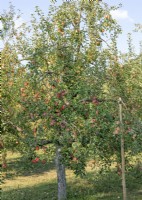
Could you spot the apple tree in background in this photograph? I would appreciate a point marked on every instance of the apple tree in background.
(12, 74)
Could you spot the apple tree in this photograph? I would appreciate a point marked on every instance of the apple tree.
(68, 80)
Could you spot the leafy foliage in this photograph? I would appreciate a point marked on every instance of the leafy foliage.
(66, 80)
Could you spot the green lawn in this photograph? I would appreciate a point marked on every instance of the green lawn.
(38, 182)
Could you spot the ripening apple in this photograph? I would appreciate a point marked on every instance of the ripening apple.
(44, 149)
(102, 30)
(134, 136)
(74, 134)
(93, 120)
(18, 129)
(107, 17)
(95, 101)
(58, 114)
(58, 95)
(23, 95)
(22, 89)
(33, 161)
(98, 43)
(37, 148)
(97, 112)
(56, 103)
(63, 107)
(35, 130)
(60, 30)
(4, 165)
(37, 95)
(10, 83)
(116, 131)
(44, 114)
(61, 94)
(43, 161)
(36, 159)
(26, 84)
(52, 123)
(31, 115)
(63, 124)
(75, 159)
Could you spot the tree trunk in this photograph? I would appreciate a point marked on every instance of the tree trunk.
(122, 151)
(61, 176)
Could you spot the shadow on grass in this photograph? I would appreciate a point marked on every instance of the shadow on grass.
(21, 167)
(106, 186)
(49, 191)
(111, 181)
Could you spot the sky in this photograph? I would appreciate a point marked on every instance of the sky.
(129, 14)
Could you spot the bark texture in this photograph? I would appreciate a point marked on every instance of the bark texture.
(122, 152)
(61, 176)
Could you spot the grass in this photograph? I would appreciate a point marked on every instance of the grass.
(38, 182)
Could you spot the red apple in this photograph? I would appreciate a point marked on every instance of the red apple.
(37, 159)
(33, 161)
